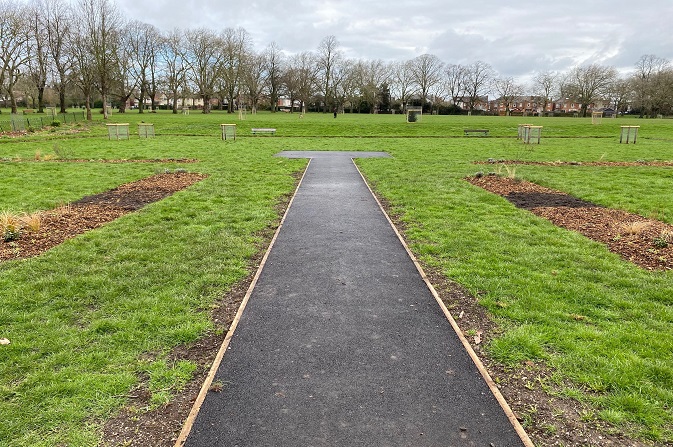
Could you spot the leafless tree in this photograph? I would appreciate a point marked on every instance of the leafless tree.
(236, 47)
(402, 82)
(255, 78)
(508, 91)
(101, 22)
(587, 84)
(301, 79)
(426, 71)
(14, 46)
(84, 67)
(124, 82)
(38, 57)
(205, 55)
(144, 41)
(59, 30)
(454, 76)
(621, 94)
(546, 85)
(328, 57)
(645, 79)
(372, 75)
(478, 78)
(342, 84)
(275, 64)
(175, 65)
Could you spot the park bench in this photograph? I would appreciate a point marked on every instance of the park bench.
(483, 132)
(28, 111)
(263, 131)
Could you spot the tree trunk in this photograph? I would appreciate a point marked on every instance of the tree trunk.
(40, 100)
(61, 98)
(88, 107)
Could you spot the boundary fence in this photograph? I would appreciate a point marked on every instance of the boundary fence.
(21, 123)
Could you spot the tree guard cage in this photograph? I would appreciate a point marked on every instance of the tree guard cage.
(118, 131)
(596, 117)
(414, 114)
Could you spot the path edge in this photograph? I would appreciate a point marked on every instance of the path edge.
(191, 418)
(473, 355)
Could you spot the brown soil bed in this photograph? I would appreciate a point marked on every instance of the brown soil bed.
(636, 239)
(91, 212)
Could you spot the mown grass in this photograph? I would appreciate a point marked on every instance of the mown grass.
(90, 318)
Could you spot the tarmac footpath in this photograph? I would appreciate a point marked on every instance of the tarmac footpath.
(341, 342)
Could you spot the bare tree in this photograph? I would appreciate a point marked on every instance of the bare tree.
(143, 41)
(342, 86)
(236, 47)
(255, 78)
(648, 68)
(58, 27)
(546, 85)
(204, 52)
(175, 64)
(301, 79)
(101, 22)
(455, 82)
(38, 56)
(621, 94)
(508, 91)
(328, 57)
(589, 83)
(478, 78)
(14, 46)
(84, 67)
(275, 64)
(426, 71)
(372, 75)
(124, 82)
(402, 82)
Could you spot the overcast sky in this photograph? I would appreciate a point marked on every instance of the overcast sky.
(517, 37)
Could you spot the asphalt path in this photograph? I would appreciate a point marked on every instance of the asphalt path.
(341, 342)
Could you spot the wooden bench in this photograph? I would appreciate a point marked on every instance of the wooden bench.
(483, 132)
(263, 131)
(28, 111)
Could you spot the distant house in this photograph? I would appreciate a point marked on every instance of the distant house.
(480, 104)
(521, 104)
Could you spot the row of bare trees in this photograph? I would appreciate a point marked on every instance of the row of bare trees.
(89, 46)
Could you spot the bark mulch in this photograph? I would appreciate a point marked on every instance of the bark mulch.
(647, 243)
(91, 212)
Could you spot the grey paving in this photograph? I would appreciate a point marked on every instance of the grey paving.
(341, 343)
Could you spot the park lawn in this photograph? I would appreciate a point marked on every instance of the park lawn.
(90, 317)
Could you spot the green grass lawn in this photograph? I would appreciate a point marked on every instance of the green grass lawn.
(83, 317)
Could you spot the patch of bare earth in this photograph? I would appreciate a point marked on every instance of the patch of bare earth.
(91, 212)
(635, 238)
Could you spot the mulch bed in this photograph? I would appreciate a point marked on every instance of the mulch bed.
(633, 237)
(91, 212)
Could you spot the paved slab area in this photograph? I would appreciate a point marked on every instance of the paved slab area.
(342, 343)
